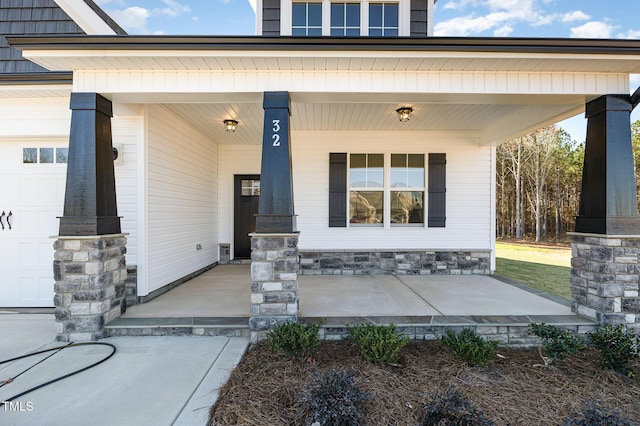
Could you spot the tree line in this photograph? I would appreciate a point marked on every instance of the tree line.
(539, 178)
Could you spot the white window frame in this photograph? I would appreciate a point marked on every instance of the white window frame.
(387, 190)
(404, 16)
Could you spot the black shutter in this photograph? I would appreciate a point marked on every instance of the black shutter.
(437, 190)
(337, 190)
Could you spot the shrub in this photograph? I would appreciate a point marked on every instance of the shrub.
(556, 343)
(300, 341)
(469, 347)
(617, 348)
(594, 413)
(333, 398)
(378, 343)
(452, 408)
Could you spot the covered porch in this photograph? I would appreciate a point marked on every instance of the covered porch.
(218, 302)
(326, 106)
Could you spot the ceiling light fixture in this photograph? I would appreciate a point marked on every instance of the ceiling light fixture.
(230, 125)
(404, 113)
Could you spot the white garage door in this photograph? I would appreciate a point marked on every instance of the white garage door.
(32, 184)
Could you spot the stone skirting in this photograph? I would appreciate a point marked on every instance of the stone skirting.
(90, 274)
(131, 285)
(274, 281)
(605, 278)
(401, 262)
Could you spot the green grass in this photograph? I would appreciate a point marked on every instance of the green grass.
(547, 269)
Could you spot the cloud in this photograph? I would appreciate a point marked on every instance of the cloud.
(134, 18)
(504, 14)
(174, 8)
(459, 4)
(504, 31)
(632, 34)
(576, 15)
(593, 29)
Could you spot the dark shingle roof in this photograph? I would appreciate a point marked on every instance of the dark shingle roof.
(36, 17)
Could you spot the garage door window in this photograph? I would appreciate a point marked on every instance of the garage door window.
(45, 155)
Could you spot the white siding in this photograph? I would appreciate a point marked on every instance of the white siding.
(35, 117)
(182, 199)
(469, 189)
(126, 135)
(234, 160)
(468, 212)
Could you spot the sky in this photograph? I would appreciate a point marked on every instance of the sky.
(472, 18)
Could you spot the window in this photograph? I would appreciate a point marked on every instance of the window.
(307, 19)
(44, 155)
(383, 20)
(250, 187)
(387, 190)
(366, 189)
(345, 19)
(407, 188)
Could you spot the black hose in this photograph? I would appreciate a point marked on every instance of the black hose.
(57, 379)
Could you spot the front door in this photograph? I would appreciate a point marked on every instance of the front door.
(32, 176)
(246, 196)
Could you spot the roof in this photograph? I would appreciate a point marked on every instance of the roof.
(36, 17)
(255, 52)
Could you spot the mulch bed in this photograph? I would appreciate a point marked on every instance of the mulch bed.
(515, 390)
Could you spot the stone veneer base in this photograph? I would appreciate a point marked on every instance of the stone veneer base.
(605, 278)
(274, 282)
(90, 274)
(396, 262)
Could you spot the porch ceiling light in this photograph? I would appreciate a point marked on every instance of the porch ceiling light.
(404, 113)
(230, 125)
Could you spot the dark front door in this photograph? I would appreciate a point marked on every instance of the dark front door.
(246, 196)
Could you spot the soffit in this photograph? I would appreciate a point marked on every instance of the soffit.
(331, 54)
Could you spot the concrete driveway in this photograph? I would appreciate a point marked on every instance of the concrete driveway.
(148, 381)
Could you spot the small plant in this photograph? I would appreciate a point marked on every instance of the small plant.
(556, 343)
(452, 408)
(594, 413)
(617, 348)
(333, 398)
(470, 347)
(378, 343)
(300, 341)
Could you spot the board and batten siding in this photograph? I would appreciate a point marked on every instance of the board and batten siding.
(468, 190)
(181, 199)
(233, 160)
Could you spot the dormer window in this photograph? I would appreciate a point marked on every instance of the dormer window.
(345, 19)
(306, 19)
(383, 19)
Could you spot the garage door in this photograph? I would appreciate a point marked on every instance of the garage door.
(32, 184)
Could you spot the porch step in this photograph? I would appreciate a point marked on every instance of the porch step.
(179, 326)
(511, 330)
(508, 330)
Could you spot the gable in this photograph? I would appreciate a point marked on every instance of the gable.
(19, 17)
(37, 17)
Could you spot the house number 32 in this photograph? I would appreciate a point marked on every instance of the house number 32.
(276, 135)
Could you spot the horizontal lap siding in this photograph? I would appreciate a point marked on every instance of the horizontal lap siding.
(182, 199)
(468, 213)
(234, 160)
(126, 133)
(35, 117)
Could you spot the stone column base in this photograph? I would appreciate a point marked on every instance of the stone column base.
(90, 274)
(274, 281)
(605, 277)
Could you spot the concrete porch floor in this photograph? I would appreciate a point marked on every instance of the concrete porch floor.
(224, 291)
(218, 303)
